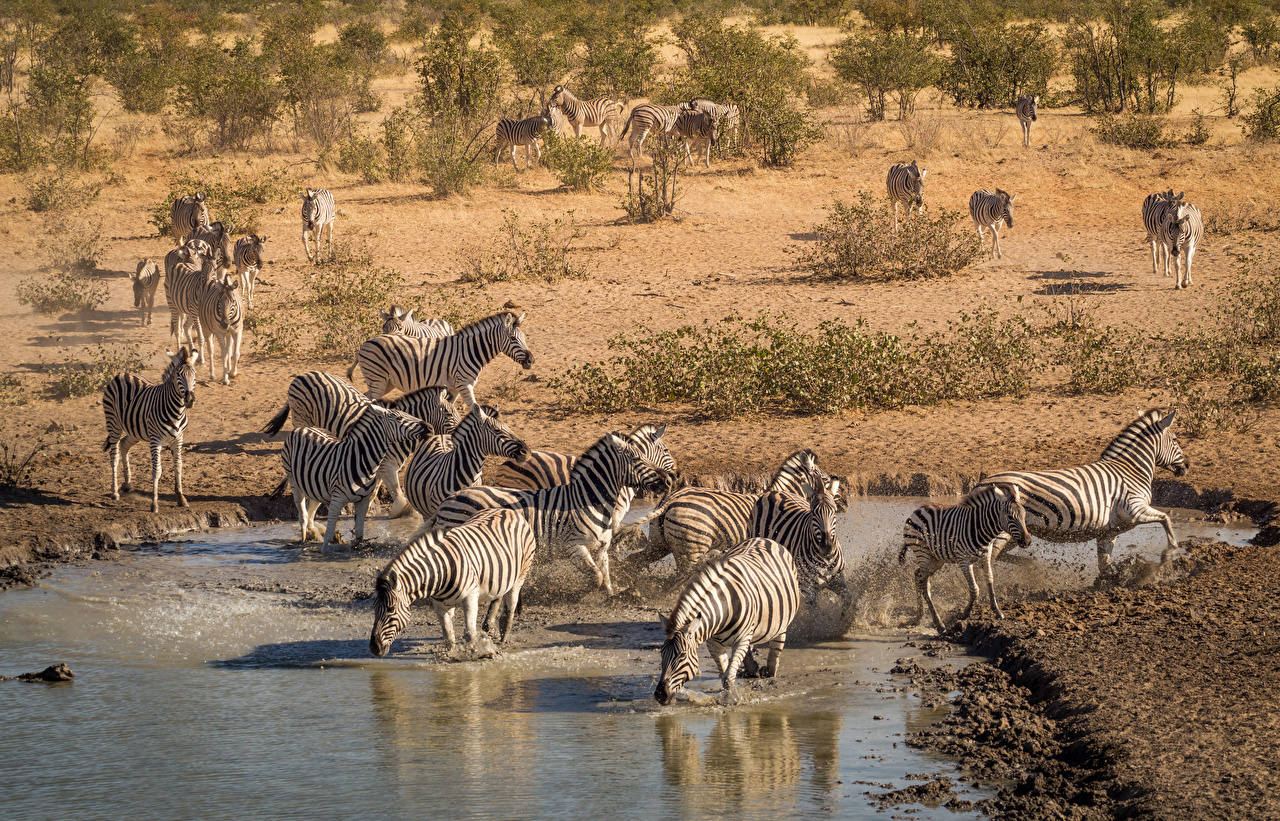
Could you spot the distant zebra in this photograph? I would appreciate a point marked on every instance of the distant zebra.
(749, 596)
(1025, 108)
(222, 320)
(1184, 227)
(145, 281)
(905, 184)
(454, 362)
(1154, 208)
(728, 117)
(962, 534)
(990, 210)
(138, 411)
(486, 559)
(443, 465)
(183, 288)
(248, 261)
(186, 215)
(1105, 498)
(511, 133)
(318, 211)
(699, 128)
(598, 112)
(218, 237)
(805, 527)
(397, 320)
(337, 472)
(647, 117)
(578, 515)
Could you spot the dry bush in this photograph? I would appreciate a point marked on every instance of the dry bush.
(851, 138)
(62, 292)
(16, 469)
(72, 241)
(127, 136)
(75, 377)
(924, 133)
(1235, 215)
(540, 252)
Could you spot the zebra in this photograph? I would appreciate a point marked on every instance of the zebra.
(806, 527)
(598, 112)
(1184, 228)
(218, 237)
(183, 288)
(339, 472)
(990, 210)
(186, 214)
(577, 515)
(453, 362)
(247, 256)
(962, 534)
(145, 281)
(1105, 498)
(1154, 208)
(318, 210)
(749, 596)
(1025, 108)
(486, 558)
(524, 132)
(905, 184)
(728, 117)
(697, 127)
(222, 318)
(138, 411)
(397, 320)
(443, 465)
(645, 118)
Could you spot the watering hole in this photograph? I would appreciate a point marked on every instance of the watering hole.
(230, 675)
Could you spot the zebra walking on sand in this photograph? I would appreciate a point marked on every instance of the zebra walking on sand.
(699, 128)
(247, 256)
(485, 559)
(962, 534)
(1184, 228)
(145, 281)
(598, 112)
(905, 186)
(138, 411)
(186, 215)
(218, 237)
(222, 320)
(1154, 208)
(991, 210)
(193, 266)
(749, 596)
(1106, 498)
(511, 133)
(648, 117)
(728, 117)
(318, 211)
(1025, 108)
(397, 320)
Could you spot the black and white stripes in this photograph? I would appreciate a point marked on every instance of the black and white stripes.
(222, 321)
(648, 117)
(697, 128)
(599, 112)
(187, 269)
(991, 209)
(511, 133)
(318, 211)
(905, 186)
(186, 214)
(807, 529)
(146, 279)
(247, 256)
(1183, 229)
(443, 465)
(1025, 108)
(397, 320)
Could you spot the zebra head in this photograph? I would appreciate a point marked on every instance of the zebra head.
(1006, 200)
(679, 659)
(648, 439)
(398, 426)
(1175, 217)
(1006, 500)
(514, 343)
(557, 95)
(390, 611)
(1168, 452)
(822, 522)
(202, 208)
(181, 375)
(1035, 105)
(915, 183)
(310, 208)
(638, 470)
(495, 436)
(395, 320)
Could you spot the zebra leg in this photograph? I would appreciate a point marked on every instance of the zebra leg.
(469, 396)
(924, 574)
(982, 238)
(895, 219)
(995, 235)
(1191, 251)
(306, 244)
(331, 221)
(235, 356)
(720, 655)
(176, 447)
(1105, 546)
(775, 656)
(362, 508)
(512, 602)
(331, 535)
(513, 158)
(445, 614)
(735, 661)
(602, 563)
(973, 591)
(389, 473)
(113, 454)
(1146, 515)
(991, 584)
(470, 607)
(125, 447)
(155, 476)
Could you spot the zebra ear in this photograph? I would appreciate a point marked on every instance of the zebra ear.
(1167, 420)
(520, 318)
(835, 487)
(308, 194)
(199, 196)
(657, 434)
(662, 619)
(923, 171)
(408, 315)
(384, 314)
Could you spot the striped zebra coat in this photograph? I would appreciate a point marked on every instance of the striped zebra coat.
(728, 117)
(1184, 228)
(577, 516)
(218, 237)
(193, 266)
(138, 411)
(443, 465)
(318, 211)
(186, 215)
(990, 210)
(397, 320)
(222, 321)
(1154, 208)
(648, 117)
(453, 362)
(510, 133)
(905, 185)
(962, 534)
(146, 279)
(598, 112)
(485, 559)
(247, 256)
(343, 471)
(1025, 108)
(749, 596)
(806, 528)
(698, 128)
(1105, 498)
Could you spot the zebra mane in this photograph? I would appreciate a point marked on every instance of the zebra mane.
(592, 456)
(1149, 425)
(507, 319)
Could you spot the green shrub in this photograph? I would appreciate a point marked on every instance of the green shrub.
(536, 48)
(1199, 132)
(73, 377)
(72, 241)
(62, 292)
(802, 12)
(786, 133)
(361, 156)
(1141, 131)
(340, 293)
(618, 55)
(452, 152)
(234, 91)
(57, 189)
(1263, 123)
(273, 331)
(580, 163)
(1099, 359)
(1262, 32)
(991, 65)
(459, 73)
(540, 252)
(884, 63)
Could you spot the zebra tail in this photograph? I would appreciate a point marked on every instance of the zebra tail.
(279, 489)
(623, 133)
(902, 554)
(351, 372)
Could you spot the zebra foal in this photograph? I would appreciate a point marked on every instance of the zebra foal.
(1154, 208)
(905, 186)
(598, 112)
(443, 465)
(1025, 108)
(145, 281)
(247, 256)
(991, 210)
(318, 211)
(397, 320)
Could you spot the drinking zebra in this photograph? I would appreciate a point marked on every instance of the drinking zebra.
(905, 184)
(145, 281)
(578, 515)
(397, 320)
(443, 465)
(749, 596)
(183, 287)
(699, 128)
(453, 362)
(806, 528)
(318, 211)
(990, 210)
(138, 411)
(484, 559)
(218, 237)
(222, 320)
(647, 117)
(248, 262)
(186, 215)
(598, 112)
(728, 117)
(962, 534)
(339, 472)
(1025, 108)
(1105, 498)
(1184, 228)
(524, 132)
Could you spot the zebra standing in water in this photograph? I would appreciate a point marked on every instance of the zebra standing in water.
(222, 319)
(487, 558)
(145, 281)
(1025, 108)
(138, 411)
(1154, 208)
(443, 465)
(454, 362)
(193, 266)
(318, 211)
(598, 112)
(247, 256)
(905, 184)
(962, 534)
(1184, 228)
(512, 133)
(748, 596)
(1105, 498)
(340, 472)
(990, 210)
(186, 215)
(399, 321)
(647, 117)
(697, 127)
(807, 528)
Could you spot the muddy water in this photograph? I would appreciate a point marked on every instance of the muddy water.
(230, 676)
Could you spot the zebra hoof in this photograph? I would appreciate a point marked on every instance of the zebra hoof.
(182, 501)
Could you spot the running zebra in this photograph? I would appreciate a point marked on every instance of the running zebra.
(218, 237)
(647, 117)
(183, 287)
(728, 117)
(343, 471)
(990, 210)
(1154, 208)
(318, 211)
(512, 133)
(697, 127)
(1105, 498)
(186, 215)
(145, 281)
(1025, 108)
(807, 528)
(138, 411)
(454, 362)
(578, 515)
(599, 112)
(485, 559)
(248, 262)
(1184, 228)
(905, 184)
(443, 465)
(962, 534)
(749, 596)
(401, 321)
(222, 320)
